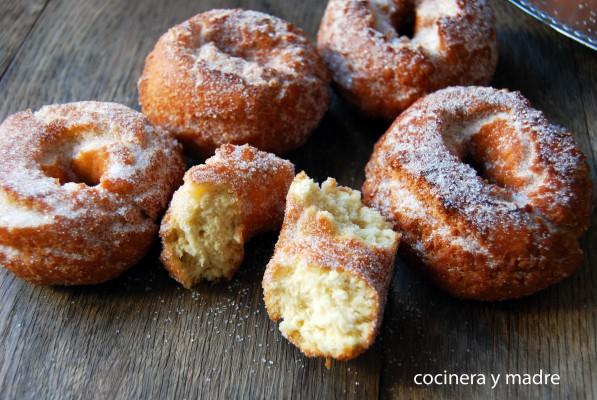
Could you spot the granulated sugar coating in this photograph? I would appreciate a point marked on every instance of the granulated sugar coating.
(235, 76)
(504, 228)
(81, 188)
(382, 71)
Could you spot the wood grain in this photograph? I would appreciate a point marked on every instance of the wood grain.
(17, 18)
(142, 336)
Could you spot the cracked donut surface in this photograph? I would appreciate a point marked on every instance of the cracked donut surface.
(489, 196)
(81, 187)
(235, 76)
(382, 70)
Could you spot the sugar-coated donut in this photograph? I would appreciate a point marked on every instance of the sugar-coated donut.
(488, 195)
(81, 188)
(382, 71)
(329, 275)
(235, 76)
(237, 193)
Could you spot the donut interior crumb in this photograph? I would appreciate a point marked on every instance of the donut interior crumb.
(343, 207)
(324, 311)
(327, 311)
(205, 232)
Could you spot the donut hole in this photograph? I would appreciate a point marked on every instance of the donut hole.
(229, 60)
(404, 19)
(89, 166)
(78, 155)
(395, 16)
(86, 166)
(472, 159)
(226, 49)
(491, 147)
(405, 26)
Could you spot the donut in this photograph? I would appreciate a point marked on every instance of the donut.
(235, 76)
(489, 196)
(328, 278)
(382, 71)
(236, 194)
(81, 188)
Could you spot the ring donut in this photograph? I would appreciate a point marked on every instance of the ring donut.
(235, 76)
(383, 71)
(81, 188)
(489, 195)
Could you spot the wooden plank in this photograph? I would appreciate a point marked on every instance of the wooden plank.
(142, 336)
(17, 18)
(586, 67)
(428, 332)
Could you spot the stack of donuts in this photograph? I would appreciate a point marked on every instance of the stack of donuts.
(484, 195)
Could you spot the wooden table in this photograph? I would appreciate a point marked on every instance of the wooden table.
(142, 336)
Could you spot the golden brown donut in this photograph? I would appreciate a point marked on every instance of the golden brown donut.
(237, 193)
(488, 195)
(382, 71)
(328, 278)
(235, 76)
(81, 188)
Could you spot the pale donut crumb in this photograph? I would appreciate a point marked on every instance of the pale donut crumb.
(328, 278)
(237, 193)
